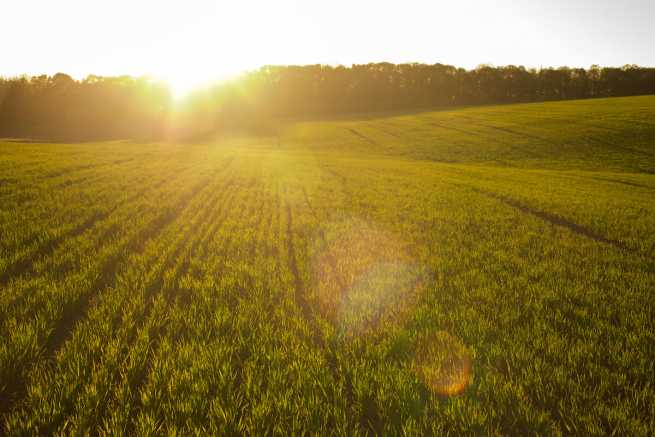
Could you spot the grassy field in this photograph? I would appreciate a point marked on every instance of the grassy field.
(481, 270)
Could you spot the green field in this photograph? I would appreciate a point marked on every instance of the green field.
(481, 270)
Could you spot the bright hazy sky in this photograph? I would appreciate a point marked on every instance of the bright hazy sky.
(192, 41)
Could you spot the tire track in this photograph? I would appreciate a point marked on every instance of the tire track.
(485, 138)
(75, 169)
(46, 215)
(107, 277)
(609, 145)
(214, 222)
(252, 250)
(550, 142)
(25, 266)
(476, 122)
(388, 132)
(210, 225)
(617, 181)
(556, 220)
(158, 286)
(309, 312)
(164, 273)
(225, 246)
(76, 310)
(28, 270)
(154, 269)
(362, 136)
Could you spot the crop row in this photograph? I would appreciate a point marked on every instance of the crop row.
(271, 291)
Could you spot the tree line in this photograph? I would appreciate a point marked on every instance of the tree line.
(61, 108)
(58, 107)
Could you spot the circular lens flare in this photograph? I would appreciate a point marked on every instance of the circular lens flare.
(444, 364)
(365, 280)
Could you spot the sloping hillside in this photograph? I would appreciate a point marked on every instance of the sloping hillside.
(609, 134)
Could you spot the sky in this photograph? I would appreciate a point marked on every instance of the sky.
(192, 42)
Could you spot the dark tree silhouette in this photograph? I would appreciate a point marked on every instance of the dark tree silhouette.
(59, 107)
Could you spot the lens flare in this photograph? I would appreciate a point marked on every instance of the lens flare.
(365, 279)
(444, 364)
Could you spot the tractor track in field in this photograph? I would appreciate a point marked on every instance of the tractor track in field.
(219, 218)
(110, 269)
(61, 273)
(321, 235)
(87, 167)
(206, 218)
(270, 238)
(376, 126)
(208, 225)
(483, 137)
(152, 288)
(93, 176)
(539, 138)
(225, 246)
(337, 175)
(277, 213)
(268, 226)
(299, 286)
(617, 181)
(343, 182)
(362, 136)
(137, 243)
(34, 189)
(476, 122)
(150, 291)
(25, 266)
(619, 147)
(439, 125)
(309, 313)
(215, 223)
(69, 170)
(252, 249)
(644, 124)
(19, 269)
(75, 169)
(215, 220)
(76, 311)
(550, 142)
(556, 220)
(30, 193)
(329, 350)
(84, 179)
(202, 215)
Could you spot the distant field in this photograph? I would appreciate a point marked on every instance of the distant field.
(481, 270)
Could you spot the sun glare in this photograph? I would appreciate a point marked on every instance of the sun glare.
(182, 82)
(181, 86)
(218, 43)
(184, 69)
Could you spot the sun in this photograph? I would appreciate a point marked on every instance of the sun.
(215, 43)
(182, 85)
(190, 77)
